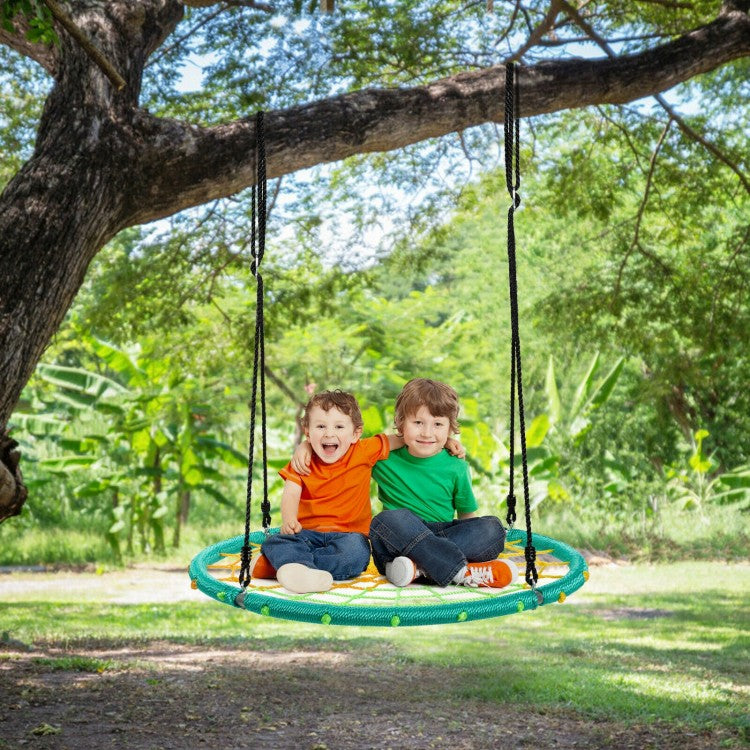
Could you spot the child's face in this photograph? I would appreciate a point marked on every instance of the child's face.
(331, 433)
(424, 434)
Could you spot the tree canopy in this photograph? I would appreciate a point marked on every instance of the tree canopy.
(109, 154)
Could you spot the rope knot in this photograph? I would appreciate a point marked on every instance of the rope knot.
(510, 501)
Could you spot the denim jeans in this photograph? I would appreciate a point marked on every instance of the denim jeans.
(440, 550)
(343, 554)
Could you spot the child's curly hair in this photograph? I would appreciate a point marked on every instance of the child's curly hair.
(344, 402)
(440, 399)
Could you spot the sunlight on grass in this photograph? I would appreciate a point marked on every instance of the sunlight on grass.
(80, 664)
(39, 547)
(722, 533)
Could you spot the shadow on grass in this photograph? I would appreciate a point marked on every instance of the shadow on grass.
(298, 692)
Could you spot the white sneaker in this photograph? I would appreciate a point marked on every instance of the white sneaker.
(303, 580)
(401, 571)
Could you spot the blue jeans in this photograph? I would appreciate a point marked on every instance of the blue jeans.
(440, 550)
(344, 554)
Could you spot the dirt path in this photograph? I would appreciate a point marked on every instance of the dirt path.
(166, 696)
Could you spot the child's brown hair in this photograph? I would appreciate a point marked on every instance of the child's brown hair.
(440, 399)
(344, 402)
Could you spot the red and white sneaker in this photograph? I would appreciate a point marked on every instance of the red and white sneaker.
(261, 568)
(494, 574)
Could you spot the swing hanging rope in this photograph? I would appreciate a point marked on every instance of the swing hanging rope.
(257, 250)
(511, 129)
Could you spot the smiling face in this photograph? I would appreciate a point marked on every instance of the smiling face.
(424, 434)
(331, 433)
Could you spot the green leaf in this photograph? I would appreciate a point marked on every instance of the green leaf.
(605, 388)
(537, 431)
(120, 362)
(80, 380)
(553, 397)
(81, 445)
(216, 495)
(193, 476)
(37, 424)
(67, 463)
(584, 387)
(141, 441)
(699, 463)
(222, 450)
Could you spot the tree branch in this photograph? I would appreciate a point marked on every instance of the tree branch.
(536, 35)
(229, 4)
(192, 165)
(180, 40)
(696, 136)
(85, 44)
(576, 17)
(636, 242)
(283, 387)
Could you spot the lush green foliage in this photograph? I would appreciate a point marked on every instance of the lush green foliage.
(37, 16)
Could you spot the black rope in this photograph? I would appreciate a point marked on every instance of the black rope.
(257, 250)
(513, 182)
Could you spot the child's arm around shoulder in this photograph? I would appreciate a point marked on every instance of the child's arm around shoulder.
(290, 498)
(301, 458)
(455, 448)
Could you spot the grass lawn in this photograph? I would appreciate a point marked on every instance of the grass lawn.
(667, 643)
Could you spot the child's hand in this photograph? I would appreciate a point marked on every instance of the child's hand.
(455, 448)
(291, 527)
(301, 458)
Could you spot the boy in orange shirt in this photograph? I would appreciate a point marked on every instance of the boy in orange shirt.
(325, 515)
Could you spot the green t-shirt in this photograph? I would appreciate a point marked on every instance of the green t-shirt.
(434, 488)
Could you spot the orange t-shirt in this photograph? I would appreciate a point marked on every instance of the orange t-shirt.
(336, 497)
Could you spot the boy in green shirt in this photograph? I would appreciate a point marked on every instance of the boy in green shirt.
(423, 488)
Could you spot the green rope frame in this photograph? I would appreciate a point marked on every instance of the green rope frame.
(391, 612)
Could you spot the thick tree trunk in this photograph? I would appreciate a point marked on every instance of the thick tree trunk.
(102, 164)
(71, 197)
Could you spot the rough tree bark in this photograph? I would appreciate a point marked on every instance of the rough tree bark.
(102, 164)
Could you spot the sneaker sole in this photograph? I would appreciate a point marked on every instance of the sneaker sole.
(401, 571)
(513, 571)
(300, 579)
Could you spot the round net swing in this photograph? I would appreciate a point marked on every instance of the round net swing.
(554, 570)
(370, 600)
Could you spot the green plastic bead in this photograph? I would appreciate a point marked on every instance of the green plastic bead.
(395, 621)
(222, 595)
(462, 616)
(519, 607)
(326, 619)
(265, 610)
